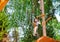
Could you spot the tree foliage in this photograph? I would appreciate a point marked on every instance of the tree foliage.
(21, 13)
(4, 22)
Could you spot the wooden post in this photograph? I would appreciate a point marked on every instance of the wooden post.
(43, 17)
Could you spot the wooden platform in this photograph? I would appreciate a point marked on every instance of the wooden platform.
(2, 4)
(46, 39)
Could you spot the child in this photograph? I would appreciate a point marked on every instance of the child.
(36, 22)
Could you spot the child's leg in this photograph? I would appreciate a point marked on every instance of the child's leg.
(35, 31)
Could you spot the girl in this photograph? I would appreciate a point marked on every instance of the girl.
(36, 22)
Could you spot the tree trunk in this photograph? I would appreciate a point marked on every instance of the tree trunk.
(43, 18)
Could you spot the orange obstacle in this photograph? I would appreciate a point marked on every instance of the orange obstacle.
(2, 4)
(46, 39)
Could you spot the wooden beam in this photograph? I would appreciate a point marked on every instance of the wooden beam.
(48, 19)
(40, 15)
